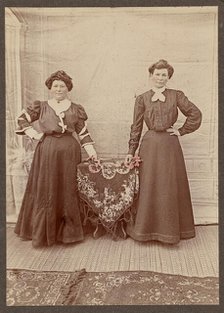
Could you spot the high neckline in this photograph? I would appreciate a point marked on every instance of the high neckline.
(158, 90)
(65, 101)
(60, 106)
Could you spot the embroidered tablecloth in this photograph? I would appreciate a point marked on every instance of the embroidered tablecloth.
(107, 191)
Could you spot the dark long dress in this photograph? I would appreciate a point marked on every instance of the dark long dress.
(163, 209)
(50, 208)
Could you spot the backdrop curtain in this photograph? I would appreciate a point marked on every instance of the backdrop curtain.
(107, 52)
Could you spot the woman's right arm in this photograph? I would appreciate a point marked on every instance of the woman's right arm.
(137, 125)
(27, 116)
(136, 128)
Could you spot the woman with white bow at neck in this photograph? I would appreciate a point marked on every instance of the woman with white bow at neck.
(163, 210)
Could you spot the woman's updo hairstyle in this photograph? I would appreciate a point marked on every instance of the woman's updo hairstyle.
(59, 75)
(162, 64)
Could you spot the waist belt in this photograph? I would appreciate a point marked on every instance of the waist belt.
(55, 134)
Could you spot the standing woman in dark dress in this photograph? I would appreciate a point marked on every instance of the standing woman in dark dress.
(164, 209)
(50, 208)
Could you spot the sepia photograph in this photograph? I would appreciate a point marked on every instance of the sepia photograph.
(111, 120)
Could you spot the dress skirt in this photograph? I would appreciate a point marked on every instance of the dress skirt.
(163, 209)
(50, 208)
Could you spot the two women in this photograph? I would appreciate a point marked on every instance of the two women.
(50, 209)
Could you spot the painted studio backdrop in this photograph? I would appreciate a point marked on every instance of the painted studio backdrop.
(107, 52)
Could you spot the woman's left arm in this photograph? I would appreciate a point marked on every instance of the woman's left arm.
(191, 111)
(83, 133)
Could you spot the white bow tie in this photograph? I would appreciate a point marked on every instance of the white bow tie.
(158, 95)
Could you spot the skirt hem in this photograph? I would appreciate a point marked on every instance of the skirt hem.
(65, 241)
(161, 237)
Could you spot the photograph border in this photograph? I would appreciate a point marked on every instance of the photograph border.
(112, 3)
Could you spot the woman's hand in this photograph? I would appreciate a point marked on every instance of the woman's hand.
(94, 157)
(33, 134)
(90, 150)
(128, 159)
(38, 136)
(173, 131)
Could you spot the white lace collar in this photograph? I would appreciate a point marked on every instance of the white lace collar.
(60, 106)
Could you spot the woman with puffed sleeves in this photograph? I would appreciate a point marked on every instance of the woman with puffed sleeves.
(50, 208)
(163, 210)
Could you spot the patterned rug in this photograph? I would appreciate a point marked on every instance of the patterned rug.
(32, 288)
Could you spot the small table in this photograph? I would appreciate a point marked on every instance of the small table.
(107, 190)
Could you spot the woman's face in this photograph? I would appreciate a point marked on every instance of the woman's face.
(59, 90)
(160, 77)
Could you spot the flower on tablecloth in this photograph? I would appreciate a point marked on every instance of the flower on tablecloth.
(95, 165)
(85, 185)
(109, 169)
(114, 205)
(122, 168)
(135, 162)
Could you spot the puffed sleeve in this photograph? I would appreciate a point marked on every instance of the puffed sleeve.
(193, 114)
(27, 116)
(136, 127)
(81, 127)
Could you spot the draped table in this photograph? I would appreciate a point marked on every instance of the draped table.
(107, 190)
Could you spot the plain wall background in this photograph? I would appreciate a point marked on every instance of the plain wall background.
(107, 52)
